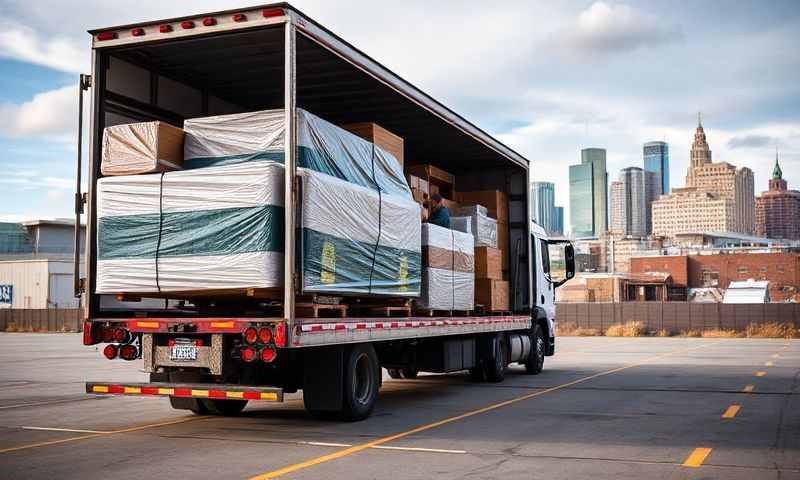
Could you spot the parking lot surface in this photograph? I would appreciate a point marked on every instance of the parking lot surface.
(603, 408)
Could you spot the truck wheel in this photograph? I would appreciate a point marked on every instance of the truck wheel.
(361, 383)
(535, 362)
(495, 367)
(405, 372)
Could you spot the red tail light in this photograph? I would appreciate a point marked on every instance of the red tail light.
(209, 21)
(265, 335)
(239, 17)
(110, 352)
(165, 28)
(170, 343)
(198, 342)
(107, 334)
(128, 352)
(187, 25)
(272, 12)
(268, 354)
(106, 36)
(280, 334)
(137, 32)
(248, 354)
(250, 335)
(120, 335)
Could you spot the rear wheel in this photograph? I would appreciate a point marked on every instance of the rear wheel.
(535, 362)
(495, 367)
(361, 383)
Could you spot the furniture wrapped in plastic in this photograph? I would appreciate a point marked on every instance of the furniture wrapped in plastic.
(207, 229)
(136, 148)
(448, 269)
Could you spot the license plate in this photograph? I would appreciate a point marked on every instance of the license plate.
(183, 353)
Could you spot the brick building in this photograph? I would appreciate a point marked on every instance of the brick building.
(782, 270)
(778, 209)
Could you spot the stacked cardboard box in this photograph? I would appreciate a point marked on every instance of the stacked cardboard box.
(491, 291)
(137, 148)
(448, 269)
(381, 137)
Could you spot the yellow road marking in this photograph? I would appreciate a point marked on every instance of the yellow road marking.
(94, 435)
(380, 441)
(748, 389)
(731, 411)
(697, 457)
(768, 364)
(760, 374)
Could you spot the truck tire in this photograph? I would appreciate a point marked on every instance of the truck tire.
(535, 362)
(400, 373)
(495, 367)
(362, 374)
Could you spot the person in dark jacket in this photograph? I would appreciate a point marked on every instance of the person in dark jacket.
(440, 215)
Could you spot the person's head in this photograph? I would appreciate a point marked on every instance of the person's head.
(436, 200)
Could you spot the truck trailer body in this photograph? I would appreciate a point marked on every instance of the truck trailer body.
(214, 356)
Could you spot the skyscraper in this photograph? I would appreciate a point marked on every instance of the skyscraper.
(581, 200)
(558, 223)
(778, 209)
(628, 204)
(656, 176)
(543, 200)
(597, 158)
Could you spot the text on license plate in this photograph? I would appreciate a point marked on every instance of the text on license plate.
(183, 353)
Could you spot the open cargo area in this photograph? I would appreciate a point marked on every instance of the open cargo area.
(209, 227)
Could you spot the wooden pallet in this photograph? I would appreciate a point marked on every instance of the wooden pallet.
(320, 310)
(386, 311)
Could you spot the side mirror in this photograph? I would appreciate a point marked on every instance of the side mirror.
(561, 266)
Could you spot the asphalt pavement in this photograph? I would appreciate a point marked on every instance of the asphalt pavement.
(638, 408)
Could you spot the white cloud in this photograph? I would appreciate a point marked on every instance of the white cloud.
(51, 114)
(23, 43)
(607, 28)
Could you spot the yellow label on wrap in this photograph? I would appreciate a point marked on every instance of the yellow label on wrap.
(327, 271)
(403, 273)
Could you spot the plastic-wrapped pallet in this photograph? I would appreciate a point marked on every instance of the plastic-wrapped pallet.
(216, 228)
(448, 269)
(360, 224)
(136, 148)
(482, 228)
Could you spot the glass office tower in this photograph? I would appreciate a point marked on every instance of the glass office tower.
(581, 200)
(656, 176)
(543, 199)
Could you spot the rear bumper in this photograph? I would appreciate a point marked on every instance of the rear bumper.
(213, 391)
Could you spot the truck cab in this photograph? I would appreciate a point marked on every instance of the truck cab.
(554, 265)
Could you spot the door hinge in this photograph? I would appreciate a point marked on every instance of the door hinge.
(85, 81)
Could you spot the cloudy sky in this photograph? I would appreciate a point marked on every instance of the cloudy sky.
(548, 78)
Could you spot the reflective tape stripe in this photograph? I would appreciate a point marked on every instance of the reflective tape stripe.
(268, 396)
(234, 394)
(166, 391)
(185, 392)
(199, 393)
(132, 390)
(100, 389)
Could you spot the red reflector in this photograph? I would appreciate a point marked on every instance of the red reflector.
(170, 343)
(280, 334)
(128, 352)
(198, 342)
(106, 36)
(265, 335)
(248, 354)
(272, 12)
(187, 25)
(89, 334)
(137, 32)
(165, 28)
(209, 21)
(110, 352)
(267, 354)
(239, 17)
(250, 335)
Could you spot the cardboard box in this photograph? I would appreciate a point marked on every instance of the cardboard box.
(488, 263)
(381, 137)
(492, 294)
(495, 201)
(434, 189)
(147, 147)
(419, 196)
(502, 242)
